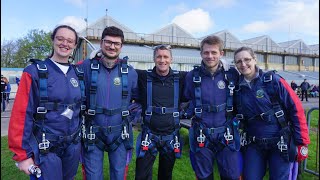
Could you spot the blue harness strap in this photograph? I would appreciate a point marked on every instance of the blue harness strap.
(285, 141)
(230, 130)
(150, 141)
(126, 136)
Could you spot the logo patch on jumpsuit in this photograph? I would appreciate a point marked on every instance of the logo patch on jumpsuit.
(259, 93)
(116, 81)
(74, 82)
(221, 84)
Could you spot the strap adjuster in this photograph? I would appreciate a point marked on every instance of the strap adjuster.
(239, 116)
(83, 107)
(148, 113)
(124, 70)
(91, 112)
(197, 110)
(163, 110)
(197, 79)
(44, 68)
(95, 66)
(125, 113)
(279, 113)
(229, 109)
(176, 114)
(41, 110)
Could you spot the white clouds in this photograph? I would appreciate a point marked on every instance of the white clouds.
(77, 23)
(211, 4)
(299, 18)
(194, 21)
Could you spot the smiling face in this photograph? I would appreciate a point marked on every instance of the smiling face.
(162, 60)
(64, 43)
(111, 47)
(246, 63)
(211, 55)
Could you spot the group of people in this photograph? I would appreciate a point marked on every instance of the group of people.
(241, 117)
(305, 89)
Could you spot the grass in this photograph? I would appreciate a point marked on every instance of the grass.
(182, 169)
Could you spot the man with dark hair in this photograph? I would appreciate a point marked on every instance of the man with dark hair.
(111, 89)
(304, 89)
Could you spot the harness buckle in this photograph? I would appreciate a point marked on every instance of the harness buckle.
(148, 113)
(243, 139)
(201, 139)
(239, 116)
(124, 133)
(229, 109)
(124, 70)
(279, 113)
(91, 136)
(95, 66)
(267, 78)
(83, 107)
(163, 110)
(231, 87)
(83, 128)
(176, 114)
(197, 110)
(42, 69)
(228, 136)
(41, 110)
(91, 112)
(197, 80)
(176, 145)
(125, 113)
(282, 146)
(145, 143)
(44, 145)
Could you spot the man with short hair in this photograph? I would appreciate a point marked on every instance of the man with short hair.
(304, 89)
(111, 86)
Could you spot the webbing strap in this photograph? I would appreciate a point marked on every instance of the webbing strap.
(124, 75)
(95, 68)
(197, 91)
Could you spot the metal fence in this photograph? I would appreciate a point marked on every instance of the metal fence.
(305, 162)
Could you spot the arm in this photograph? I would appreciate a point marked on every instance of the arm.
(21, 122)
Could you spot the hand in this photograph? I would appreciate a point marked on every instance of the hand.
(135, 112)
(94, 53)
(302, 152)
(25, 164)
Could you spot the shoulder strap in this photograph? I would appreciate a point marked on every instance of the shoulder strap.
(197, 91)
(124, 76)
(95, 69)
(80, 75)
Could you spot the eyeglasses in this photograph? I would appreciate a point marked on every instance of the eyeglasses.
(109, 43)
(162, 47)
(245, 60)
(61, 39)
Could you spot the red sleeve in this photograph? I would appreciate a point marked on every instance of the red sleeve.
(17, 133)
(297, 115)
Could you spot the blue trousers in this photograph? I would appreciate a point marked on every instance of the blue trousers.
(229, 163)
(65, 167)
(256, 159)
(93, 163)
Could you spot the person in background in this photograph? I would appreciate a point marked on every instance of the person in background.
(294, 86)
(17, 81)
(111, 99)
(44, 128)
(8, 89)
(304, 89)
(214, 131)
(3, 92)
(160, 94)
(275, 130)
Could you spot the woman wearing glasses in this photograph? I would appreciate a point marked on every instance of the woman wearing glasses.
(274, 124)
(45, 121)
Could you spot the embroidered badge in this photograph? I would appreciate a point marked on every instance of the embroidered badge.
(259, 93)
(221, 84)
(116, 81)
(74, 82)
(304, 151)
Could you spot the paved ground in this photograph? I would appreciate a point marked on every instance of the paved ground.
(5, 116)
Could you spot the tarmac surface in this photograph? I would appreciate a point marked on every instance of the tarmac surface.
(5, 116)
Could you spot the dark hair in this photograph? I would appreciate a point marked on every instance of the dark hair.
(112, 31)
(212, 40)
(53, 35)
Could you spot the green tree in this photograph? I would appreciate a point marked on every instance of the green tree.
(35, 45)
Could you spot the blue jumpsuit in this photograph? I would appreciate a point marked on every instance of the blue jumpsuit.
(62, 159)
(214, 94)
(108, 96)
(263, 130)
